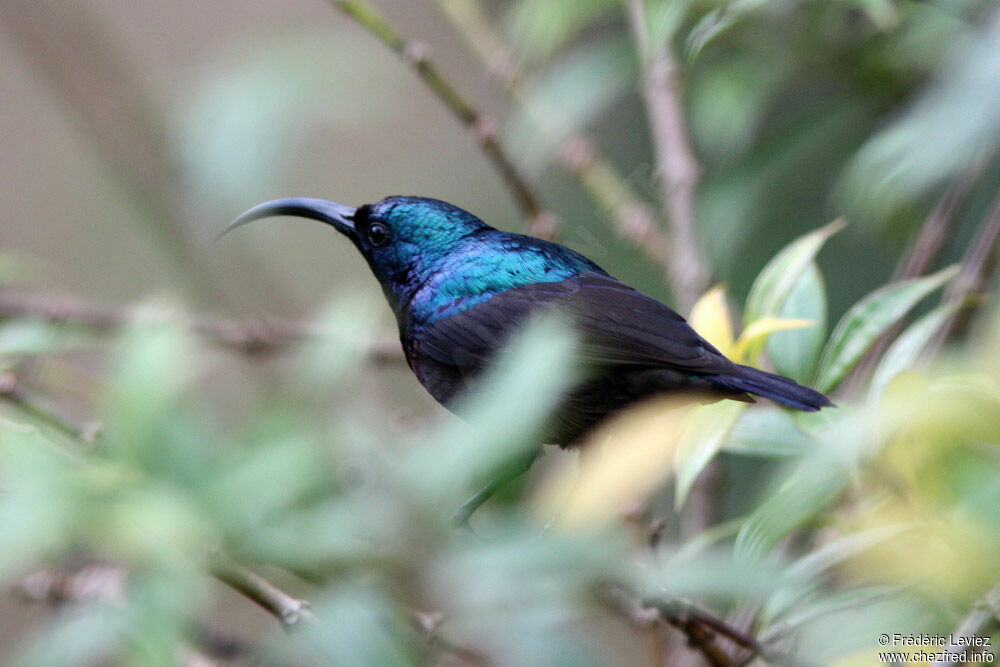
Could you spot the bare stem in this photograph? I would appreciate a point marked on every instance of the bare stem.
(978, 263)
(677, 168)
(290, 611)
(251, 338)
(980, 621)
(484, 129)
(580, 156)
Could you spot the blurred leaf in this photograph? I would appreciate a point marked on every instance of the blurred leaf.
(37, 505)
(359, 626)
(621, 462)
(795, 353)
(243, 120)
(814, 565)
(155, 363)
(779, 279)
(713, 574)
(710, 318)
(502, 417)
(806, 487)
(568, 97)
(868, 320)
(716, 21)
(754, 337)
(905, 351)
(949, 126)
(728, 103)
(768, 431)
(82, 635)
(517, 597)
(344, 330)
(30, 337)
(705, 431)
(541, 27)
(827, 605)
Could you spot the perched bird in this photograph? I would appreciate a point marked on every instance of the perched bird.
(460, 289)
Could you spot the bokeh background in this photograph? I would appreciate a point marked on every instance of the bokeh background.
(132, 132)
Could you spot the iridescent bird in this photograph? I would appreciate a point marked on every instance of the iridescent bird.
(460, 289)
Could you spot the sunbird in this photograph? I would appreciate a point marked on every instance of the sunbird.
(460, 289)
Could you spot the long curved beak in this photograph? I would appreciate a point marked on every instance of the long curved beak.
(339, 216)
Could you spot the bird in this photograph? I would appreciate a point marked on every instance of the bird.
(461, 289)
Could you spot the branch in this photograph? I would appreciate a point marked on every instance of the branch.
(484, 129)
(677, 168)
(977, 264)
(580, 156)
(251, 338)
(701, 627)
(978, 622)
(918, 257)
(289, 611)
(13, 391)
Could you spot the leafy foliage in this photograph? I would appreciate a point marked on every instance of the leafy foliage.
(826, 529)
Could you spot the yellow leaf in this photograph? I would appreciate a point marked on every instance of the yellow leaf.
(710, 318)
(751, 341)
(623, 461)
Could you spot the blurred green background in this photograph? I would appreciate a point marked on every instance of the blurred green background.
(133, 132)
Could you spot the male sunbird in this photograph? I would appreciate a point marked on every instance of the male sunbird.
(460, 289)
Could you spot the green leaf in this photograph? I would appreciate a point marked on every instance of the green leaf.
(703, 438)
(951, 124)
(813, 565)
(768, 432)
(28, 337)
(806, 488)
(541, 27)
(156, 362)
(779, 278)
(794, 353)
(868, 320)
(568, 97)
(905, 351)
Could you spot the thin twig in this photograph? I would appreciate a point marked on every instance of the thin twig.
(290, 611)
(484, 129)
(979, 622)
(14, 392)
(677, 168)
(915, 261)
(978, 263)
(251, 338)
(580, 156)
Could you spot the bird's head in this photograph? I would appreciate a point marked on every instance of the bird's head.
(404, 239)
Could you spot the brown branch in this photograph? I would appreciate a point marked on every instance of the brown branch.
(677, 168)
(14, 392)
(290, 611)
(977, 265)
(251, 338)
(700, 627)
(484, 129)
(918, 257)
(580, 157)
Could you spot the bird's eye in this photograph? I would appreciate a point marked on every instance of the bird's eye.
(378, 234)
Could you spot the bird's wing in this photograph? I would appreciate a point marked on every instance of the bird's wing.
(618, 325)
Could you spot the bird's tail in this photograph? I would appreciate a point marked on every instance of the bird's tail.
(775, 387)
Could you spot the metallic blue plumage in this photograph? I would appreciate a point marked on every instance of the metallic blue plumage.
(460, 289)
